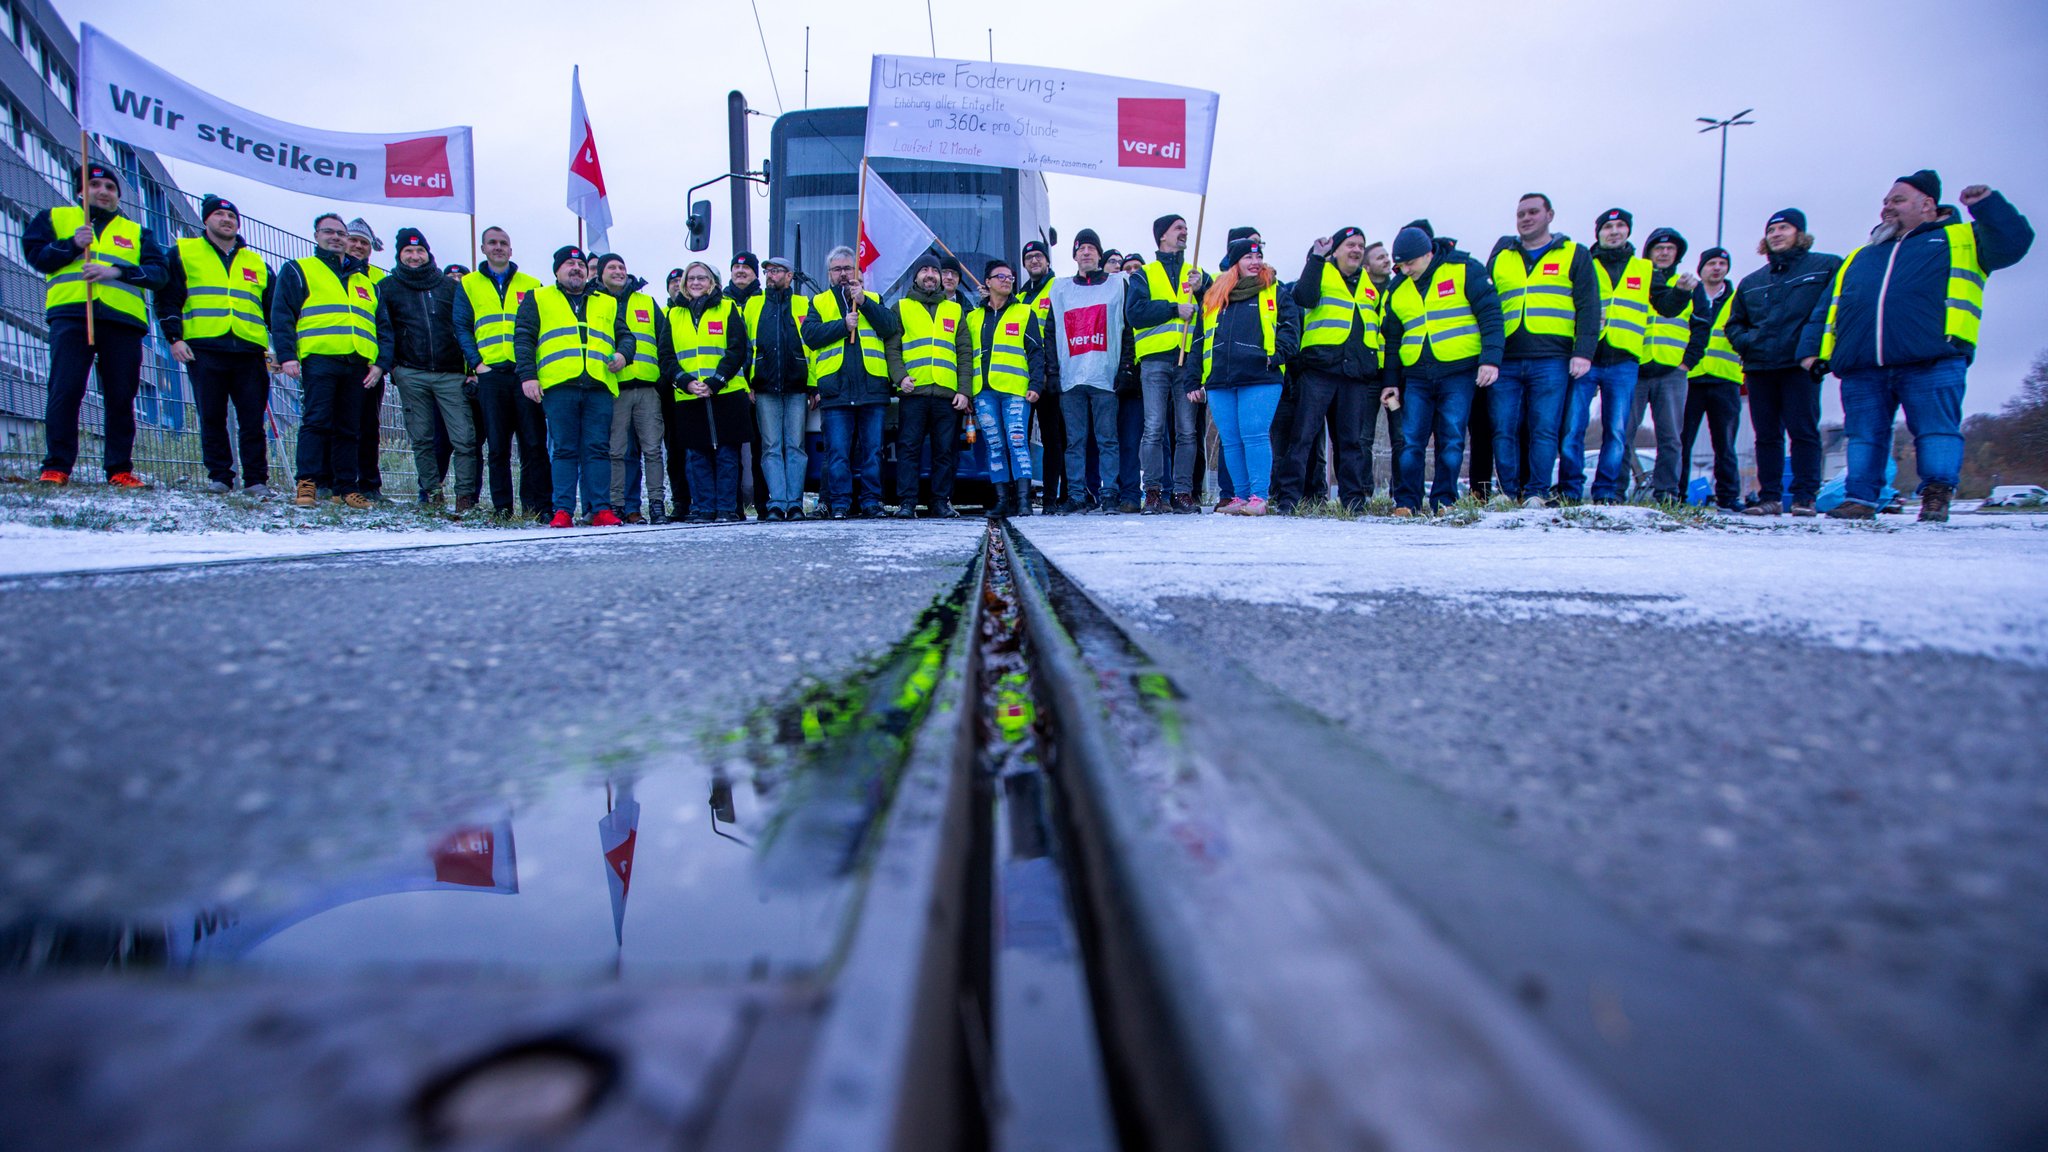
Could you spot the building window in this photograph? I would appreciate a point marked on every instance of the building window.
(12, 228)
(63, 84)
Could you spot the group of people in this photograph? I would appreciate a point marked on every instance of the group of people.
(604, 387)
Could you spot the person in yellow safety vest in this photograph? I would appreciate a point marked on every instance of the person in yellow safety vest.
(1714, 384)
(93, 254)
(214, 311)
(1900, 325)
(1660, 385)
(1337, 375)
(1623, 279)
(933, 366)
(1550, 309)
(779, 375)
(1443, 329)
(1161, 302)
(569, 343)
(1035, 289)
(638, 431)
(706, 359)
(848, 332)
(363, 244)
(1009, 354)
(490, 299)
(330, 331)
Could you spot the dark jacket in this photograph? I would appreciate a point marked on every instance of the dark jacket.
(1142, 311)
(1665, 300)
(963, 358)
(1703, 312)
(1772, 305)
(1485, 301)
(1028, 292)
(48, 253)
(526, 332)
(1035, 352)
(1351, 360)
(169, 303)
(1240, 347)
(1906, 279)
(465, 316)
(1526, 345)
(779, 364)
(739, 296)
(730, 365)
(288, 295)
(422, 306)
(851, 384)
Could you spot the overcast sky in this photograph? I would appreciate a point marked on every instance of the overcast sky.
(1461, 105)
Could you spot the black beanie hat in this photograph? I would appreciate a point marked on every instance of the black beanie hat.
(101, 172)
(1926, 180)
(455, 269)
(750, 260)
(1237, 234)
(1714, 253)
(407, 237)
(1792, 216)
(1423, 226)
(1338, 237)
(1611, 215)
(211, 204)
(564, 254)
(598, 262)
(1087, 236)
(922, 262)
(989, 268)
(1659, 235)
(1112, 257)
(674, 274)
(1239, 248)
(1037, 246)
(951, 263)
(1410, 243)
(1160, 225)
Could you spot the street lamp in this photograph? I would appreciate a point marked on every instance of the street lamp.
(1722, 126)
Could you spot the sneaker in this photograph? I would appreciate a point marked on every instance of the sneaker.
(944, 510)
(1231, 507)
(1934, 503)
(1072, 507)
(1851, 510)
(869, 512)
(1767, 508)
(1256, 506)
(52, 476)
(125, 480)
(219, 488)
(308, 494)
(1535, 502)
(835, 514)
(605, 518)
(356, 501)
(562, 520)
(657, 512)
(1183, 504)
(1403, 513)
(733, 518)
(1803, 508)
(905, 511)
(257, 491)
(632, 518)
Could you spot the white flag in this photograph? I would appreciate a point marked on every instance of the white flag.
(586, 176)
(891, 235)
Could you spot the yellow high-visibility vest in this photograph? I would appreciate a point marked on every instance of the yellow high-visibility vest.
(1625, 307)
(570, 348)
(336, 319)
(931, 343)
(224, 297)
(700, 344)
(1329, 322)
(118, 245)
(1441, 315)
(874, 359)
(1538, 298)
(1964, 310)
(491, 314)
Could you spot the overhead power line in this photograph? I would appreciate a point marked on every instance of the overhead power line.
(772, 84)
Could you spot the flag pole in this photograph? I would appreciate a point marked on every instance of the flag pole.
(963, 267)
(860, 231)
(579, 231)
(85, 205)
(1193, 265)
(472, 241)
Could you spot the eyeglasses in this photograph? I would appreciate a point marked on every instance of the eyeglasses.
(999, 276)
(330, 231)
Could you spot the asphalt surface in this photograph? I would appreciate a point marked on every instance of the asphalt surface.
(235, 734)
(1864, 833)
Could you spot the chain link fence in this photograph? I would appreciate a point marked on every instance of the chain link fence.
(166, 411)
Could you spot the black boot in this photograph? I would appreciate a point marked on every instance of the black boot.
(1023, 498)
(1006, 502)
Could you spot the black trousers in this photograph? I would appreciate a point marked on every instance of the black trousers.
(921, 420)
(1052, 440)
(370, 440)
(1784, 403)
(220, 379)
(1720, 403)
(1479, 445)
(1342, 405)
(676, 456)
(330, 420)
(508, 413)
(115, 357)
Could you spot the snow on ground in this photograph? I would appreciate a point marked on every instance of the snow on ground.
(1976, 585)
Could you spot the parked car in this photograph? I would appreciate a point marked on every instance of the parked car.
(2016, 496)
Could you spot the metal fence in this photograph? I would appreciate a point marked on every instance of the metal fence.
(166, 411)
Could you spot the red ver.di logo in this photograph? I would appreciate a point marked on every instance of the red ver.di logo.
(1087, 329)
(417, 169)
(1151, 133)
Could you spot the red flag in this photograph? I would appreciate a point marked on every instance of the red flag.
(587, 197)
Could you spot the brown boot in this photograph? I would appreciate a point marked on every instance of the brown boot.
(307, 496)
(464, 504)
(1934, 503)
(1767, 508)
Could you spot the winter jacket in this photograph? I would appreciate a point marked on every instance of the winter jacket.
(288, 295)
(1351, 360)
(1527, 345)
(1897, 288)
(1485, 302)
(963, 357)
(1240, 349)
(1768, 321)
(48, 253)
(422, 306)
(779, 365)
(169, 303)
(851, 385)
(526, 331)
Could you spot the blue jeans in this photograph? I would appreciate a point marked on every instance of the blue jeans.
(714, 481)
(1531, 390)
(1090, 419)
(580, 432)
(853, 447)
(780, 417)
(1244, 427)
(1130, 430)
(1931, 393)
(1615, 384)
(1433, 408)
(1005, 422)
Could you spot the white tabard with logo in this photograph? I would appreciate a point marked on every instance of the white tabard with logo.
(1088, 322)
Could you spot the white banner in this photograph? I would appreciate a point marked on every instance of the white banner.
(125, 97)
(1048, 119)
